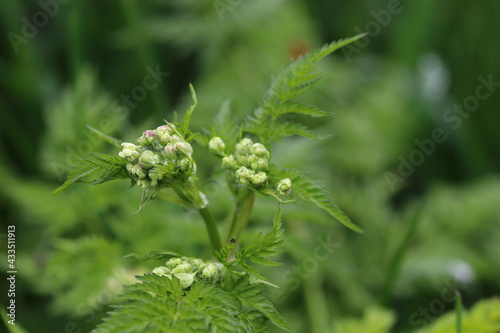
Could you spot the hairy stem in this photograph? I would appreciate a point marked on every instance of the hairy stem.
(213, 233)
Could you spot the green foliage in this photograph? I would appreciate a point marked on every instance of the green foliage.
(294, 80)
(374, 320)
(314, 192)
(107, 167)
(484, 317)
(159, 304)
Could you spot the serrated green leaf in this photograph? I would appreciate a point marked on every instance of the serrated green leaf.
(301, 108)
(108, 168)
(314, 192)
(155, 255)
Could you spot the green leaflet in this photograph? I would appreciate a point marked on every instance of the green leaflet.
(107, 167)
(294, 80)
(312, 191)
(159, 304)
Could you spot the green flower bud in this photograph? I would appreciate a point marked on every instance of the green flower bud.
(284, 186)
(199, 264)
(149, 158)
(259, 178)
(242, 159)
(183, 268)
(169, 152)
(175, 138)
(162, 270)
(244, 175)
(173, 262)
(185, 279)
(184, 148)
(244, 146)
(259, 149)
(139, 171)
(258, 163)
(216, 146)
(229, 162)
(143, 183)
(184, 164)
(210, 272)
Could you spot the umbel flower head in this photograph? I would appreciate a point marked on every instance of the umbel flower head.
(160, 158)
(188, 270)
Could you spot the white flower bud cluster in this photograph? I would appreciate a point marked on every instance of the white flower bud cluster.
(160, 157)
(187, 269)
(250, 161)
(284, 186)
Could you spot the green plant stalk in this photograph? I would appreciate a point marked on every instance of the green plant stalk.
(458, 311)
(397, 260)
(213, 232)
(316, 305)
(243, 211)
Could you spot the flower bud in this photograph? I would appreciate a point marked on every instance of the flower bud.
(229, 162)
(185, 279)
(216, 146)
(244, 146)
(183, 268)
(184, 148)
(175, 138)
(173, 262)
(259, 149)
(143, 183)
(259, 178)
(184, 164)
(130, 151)
(284, 186)
(258, 164)
(162, 270)
(149, 158)
(169, 152)
(244, 175)
(139, 171)
(210, 272)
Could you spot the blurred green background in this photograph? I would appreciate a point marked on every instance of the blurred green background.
(430, 207)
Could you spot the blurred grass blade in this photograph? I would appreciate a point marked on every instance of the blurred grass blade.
(458, 311)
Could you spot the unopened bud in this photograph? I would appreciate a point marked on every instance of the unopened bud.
(259, 149)
(216, 146)
(244, 146)
(149, 158)
(229, 162)
(185, 279)
(259, 178)
(162, 270)
(184, 148)
(284, 186)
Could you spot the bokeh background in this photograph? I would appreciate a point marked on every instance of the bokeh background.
(430, 205)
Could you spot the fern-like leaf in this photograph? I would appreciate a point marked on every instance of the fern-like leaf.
(107, 167)
(292, 81)
(314, 192)
(261, 248)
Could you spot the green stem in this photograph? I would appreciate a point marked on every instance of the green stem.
(397, 260)
(458, 310)
(213, 233)
(243, 215)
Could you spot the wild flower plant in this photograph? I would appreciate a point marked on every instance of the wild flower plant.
(225, 294)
